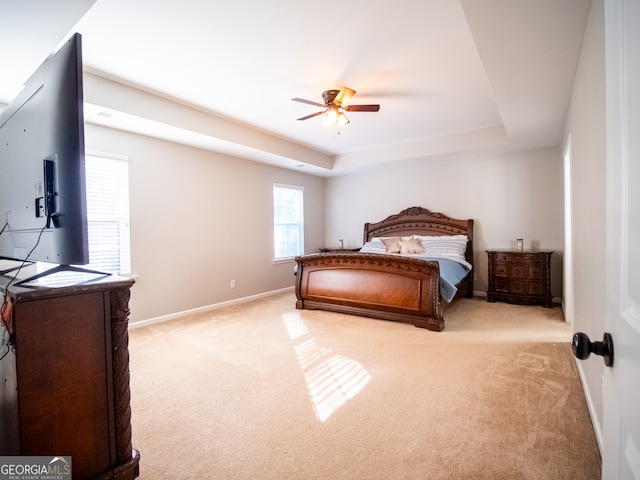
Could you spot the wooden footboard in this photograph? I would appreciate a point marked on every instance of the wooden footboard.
(380, 286)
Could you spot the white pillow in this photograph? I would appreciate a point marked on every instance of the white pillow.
(444, 246)
(440, 237)
(373, 247)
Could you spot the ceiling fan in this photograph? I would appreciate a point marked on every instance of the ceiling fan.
(335, 104)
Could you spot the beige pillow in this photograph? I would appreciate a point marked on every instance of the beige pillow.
(411, 246)
(392, 244)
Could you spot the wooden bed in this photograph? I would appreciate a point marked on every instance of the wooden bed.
(384, 286)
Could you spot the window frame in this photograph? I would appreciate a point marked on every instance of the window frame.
(123, 247)
(298, 223)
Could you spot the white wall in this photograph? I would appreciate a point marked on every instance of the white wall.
(201, 219)
(586, 124)
(509, 196)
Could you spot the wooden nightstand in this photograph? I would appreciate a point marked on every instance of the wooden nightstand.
(338, 249)
(520, 277)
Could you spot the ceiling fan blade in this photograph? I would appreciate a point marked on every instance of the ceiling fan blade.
(362, 108)
(308, 102)
(344, 95)
(312, 115)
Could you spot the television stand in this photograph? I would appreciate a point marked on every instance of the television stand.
(64, 380)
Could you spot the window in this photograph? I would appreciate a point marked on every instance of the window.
(107, 184)
(288, 221)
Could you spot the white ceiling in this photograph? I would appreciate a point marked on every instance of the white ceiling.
(450, 75)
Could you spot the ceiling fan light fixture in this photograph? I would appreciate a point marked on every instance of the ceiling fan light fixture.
(331, 116)
(335, 104)
(342, 119)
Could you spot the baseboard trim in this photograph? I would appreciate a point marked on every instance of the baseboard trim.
(206, 308)
(590, 406)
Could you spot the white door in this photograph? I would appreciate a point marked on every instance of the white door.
(621, 425)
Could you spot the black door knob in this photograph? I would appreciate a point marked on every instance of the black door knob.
(583, 347)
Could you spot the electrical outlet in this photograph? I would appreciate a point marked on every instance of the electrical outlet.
(233, 284)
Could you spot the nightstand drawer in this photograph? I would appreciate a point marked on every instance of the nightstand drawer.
(515, 257)
(535, 271)
(501, 269)
(535, 287)
(502, 284)
(517, 271)
(517, 285)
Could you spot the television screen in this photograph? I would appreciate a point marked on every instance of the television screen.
(42, 170)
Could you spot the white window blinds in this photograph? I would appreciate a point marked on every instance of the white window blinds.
(288, 221)
(107, 183)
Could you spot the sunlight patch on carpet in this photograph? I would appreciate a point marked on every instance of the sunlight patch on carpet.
(332, 379)
(295, 325)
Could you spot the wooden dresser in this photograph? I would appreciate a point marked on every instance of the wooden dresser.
(522, 277)
(64, 377)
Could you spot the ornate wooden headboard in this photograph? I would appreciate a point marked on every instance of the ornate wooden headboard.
(420, 221)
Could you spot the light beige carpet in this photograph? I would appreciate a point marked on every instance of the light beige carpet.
(264, 391)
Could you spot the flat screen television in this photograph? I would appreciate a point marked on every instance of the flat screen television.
(42, 165)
